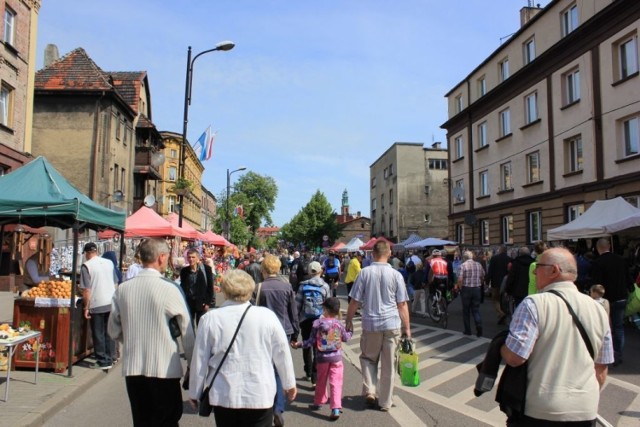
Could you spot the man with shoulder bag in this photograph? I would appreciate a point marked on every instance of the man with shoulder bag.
(565, 338)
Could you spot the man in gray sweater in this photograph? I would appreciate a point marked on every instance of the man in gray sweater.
(148, 315)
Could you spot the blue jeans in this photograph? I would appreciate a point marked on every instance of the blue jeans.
(103, 345)
(471, 306)
(278, 405)
(617, 328)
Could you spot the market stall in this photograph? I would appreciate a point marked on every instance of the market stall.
(37, 195)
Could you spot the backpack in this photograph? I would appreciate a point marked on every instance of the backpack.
(312, 299)
(331, 339)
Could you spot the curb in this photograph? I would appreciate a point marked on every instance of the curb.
(57, 402)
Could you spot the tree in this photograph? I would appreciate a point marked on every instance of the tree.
(250, 205)
(315, 220)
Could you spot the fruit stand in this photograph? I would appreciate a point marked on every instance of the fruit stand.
(45, 308)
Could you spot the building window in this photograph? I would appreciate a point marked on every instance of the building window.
(505, 176)
(531, 108)
(529, 50)
(484, 232)
(628, 57)
(573, 154)
(390, 225)
(116, 175)
(482, 86)
(631, 136)
(460, 233)
(507, 229)
(386, 173)
(483, 183)
(171, 204)
(571, 90)
(173, 173)
(374, 204)
(634, 200)
(9, 26)
(503, 70)
(373, 182)
(459, 104)
(458, 146)
(533, 167)
(505, 122)
(173, 153)
(458, 191)
(123, 179)
(6, 105)
(569, 18)
(574, 211)
(535, 226)
(118, 126)
(382, 201)
(391, 196)
(438, 164)
(126, 133)
(482, 134)
(391, 169)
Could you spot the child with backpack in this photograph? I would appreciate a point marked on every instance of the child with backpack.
(327, 336)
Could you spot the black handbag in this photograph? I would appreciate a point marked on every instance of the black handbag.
(204, 406)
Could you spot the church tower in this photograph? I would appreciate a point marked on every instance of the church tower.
(345, 205)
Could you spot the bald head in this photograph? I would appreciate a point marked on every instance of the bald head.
(555, 265)
(603, 245)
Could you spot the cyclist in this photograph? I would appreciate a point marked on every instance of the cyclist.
(332, 272)
(438, 274)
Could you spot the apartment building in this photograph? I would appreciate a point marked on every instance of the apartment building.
(17, 72)
(193, 169)
(209, 209)
(409, 191)
(547, 124)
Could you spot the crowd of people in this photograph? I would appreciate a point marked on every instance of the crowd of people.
(240, 352)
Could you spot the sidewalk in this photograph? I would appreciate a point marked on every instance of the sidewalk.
(31, 404)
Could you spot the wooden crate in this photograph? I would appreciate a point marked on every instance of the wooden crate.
(53, 322)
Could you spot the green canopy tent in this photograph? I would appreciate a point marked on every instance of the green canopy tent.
(37, 195)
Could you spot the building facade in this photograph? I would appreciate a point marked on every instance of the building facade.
(209, 209)
(17, 74)
(84, 126)
(409, 192)
(192, 201)
(547, 124)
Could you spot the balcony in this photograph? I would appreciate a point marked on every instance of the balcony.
(148, 160)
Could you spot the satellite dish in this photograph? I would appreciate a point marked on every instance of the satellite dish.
(470, 219)
(117, 196)
(149, 200)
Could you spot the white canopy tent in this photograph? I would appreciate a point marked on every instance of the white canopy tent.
(603, 218)
(353, 245)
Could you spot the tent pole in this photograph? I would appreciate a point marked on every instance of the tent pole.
(72, 300)
(122, 251)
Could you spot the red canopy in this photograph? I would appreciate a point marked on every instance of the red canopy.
(369, 245)
(215, 239)
(187, 229)
(145, 222)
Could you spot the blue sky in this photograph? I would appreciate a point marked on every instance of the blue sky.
(314, 91)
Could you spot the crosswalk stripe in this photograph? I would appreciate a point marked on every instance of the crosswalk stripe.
(447, 354)
(403, 414)
(449, 374)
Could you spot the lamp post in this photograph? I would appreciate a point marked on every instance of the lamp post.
(227, 223)
(222, 46)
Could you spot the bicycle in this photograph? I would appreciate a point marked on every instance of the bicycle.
(438, 303)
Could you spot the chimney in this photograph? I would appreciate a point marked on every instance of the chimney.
(436, 145)
(51, 54)
(527, 13)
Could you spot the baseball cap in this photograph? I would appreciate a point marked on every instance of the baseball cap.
(332, 304)
(436, 252)
(90, 247)
(315, 267)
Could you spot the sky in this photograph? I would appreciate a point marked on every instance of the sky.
(313, 92)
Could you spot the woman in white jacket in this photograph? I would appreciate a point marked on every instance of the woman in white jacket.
(244, 389)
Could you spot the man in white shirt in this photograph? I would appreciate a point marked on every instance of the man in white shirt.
(148, 314)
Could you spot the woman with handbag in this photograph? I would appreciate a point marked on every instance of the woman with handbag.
(236, 348)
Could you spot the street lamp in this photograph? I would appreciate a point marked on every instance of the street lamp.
(227, 222)
(222, 46)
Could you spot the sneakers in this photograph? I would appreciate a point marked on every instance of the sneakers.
(478, 331)
(335, 414)
(104, 368)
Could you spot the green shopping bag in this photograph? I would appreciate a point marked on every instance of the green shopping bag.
(633, 302)
(408, 367)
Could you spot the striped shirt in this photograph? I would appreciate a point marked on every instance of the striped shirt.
(472, 274)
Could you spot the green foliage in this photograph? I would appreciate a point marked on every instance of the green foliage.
(315, 220)
(257, 195)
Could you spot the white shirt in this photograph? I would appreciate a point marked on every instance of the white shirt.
(246, 378)
(133, 270)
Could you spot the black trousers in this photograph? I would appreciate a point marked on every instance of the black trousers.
(154, 402)
(229, 417)
(308, 354)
